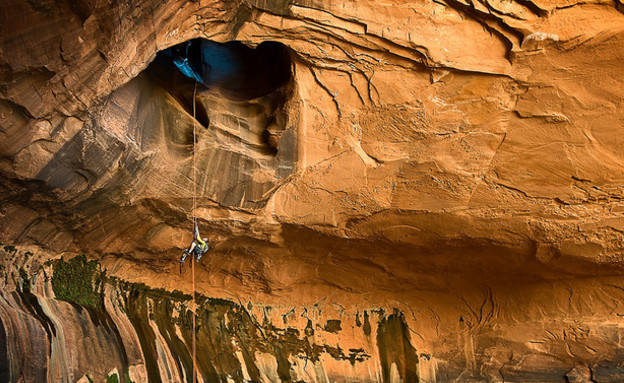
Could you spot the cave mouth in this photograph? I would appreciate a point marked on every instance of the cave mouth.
(239, 72)
(254, 79)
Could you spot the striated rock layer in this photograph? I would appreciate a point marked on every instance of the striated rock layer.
(434, 194)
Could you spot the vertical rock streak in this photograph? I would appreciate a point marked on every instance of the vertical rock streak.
(145, 335)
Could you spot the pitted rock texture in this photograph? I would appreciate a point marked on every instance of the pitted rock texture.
(458, 161)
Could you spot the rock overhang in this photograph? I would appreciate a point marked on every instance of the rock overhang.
(378, 137)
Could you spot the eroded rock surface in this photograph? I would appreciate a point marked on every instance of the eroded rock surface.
(447, 174)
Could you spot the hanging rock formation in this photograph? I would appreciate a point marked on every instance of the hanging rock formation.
(394, 191)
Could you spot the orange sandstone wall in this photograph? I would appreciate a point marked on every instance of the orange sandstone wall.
(453, 169)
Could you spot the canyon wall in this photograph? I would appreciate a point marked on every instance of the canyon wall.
(449, 172)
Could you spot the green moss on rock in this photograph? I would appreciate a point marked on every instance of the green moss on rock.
(74, 280)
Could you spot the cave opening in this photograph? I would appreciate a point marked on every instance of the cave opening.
(239, 73)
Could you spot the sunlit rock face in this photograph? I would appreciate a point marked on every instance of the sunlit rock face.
(433, 188)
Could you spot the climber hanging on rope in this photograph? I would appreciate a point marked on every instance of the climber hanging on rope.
(198, 247)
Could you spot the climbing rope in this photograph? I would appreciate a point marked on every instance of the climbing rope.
(194, 223)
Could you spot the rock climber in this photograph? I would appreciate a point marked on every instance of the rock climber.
(198, 247)
(186, 57)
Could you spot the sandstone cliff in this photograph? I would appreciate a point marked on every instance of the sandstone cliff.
(449, 170)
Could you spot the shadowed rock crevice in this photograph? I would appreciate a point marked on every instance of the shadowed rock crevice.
(396, 350)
